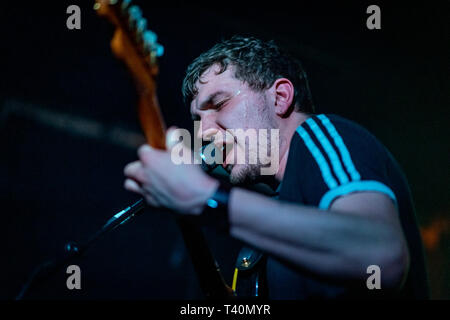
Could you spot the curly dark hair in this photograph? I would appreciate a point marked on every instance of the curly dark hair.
(258, 63)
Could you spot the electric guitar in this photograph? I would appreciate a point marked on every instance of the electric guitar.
(138, 48)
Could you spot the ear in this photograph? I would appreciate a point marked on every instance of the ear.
(283, 90)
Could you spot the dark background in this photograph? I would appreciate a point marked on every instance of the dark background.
(64, 97)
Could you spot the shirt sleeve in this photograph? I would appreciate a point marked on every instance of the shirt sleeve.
(331, 157)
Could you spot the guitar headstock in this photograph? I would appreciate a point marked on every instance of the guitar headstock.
(132, 33)
(138, 48)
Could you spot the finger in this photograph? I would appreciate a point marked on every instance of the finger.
(177, 138)
(134, 170)
(132, 186)
(172, 137)
(147, 154)
(151, 201)
(209, 134)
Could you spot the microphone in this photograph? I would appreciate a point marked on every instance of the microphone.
(208, 158)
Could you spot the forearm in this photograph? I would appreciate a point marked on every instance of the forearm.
(331, 244)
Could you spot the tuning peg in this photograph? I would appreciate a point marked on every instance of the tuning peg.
(149, 38)
(135, 13)
(159, 50)
(141, 25)
(125, 4)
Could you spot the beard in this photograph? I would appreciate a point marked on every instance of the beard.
(250, 173)
(242, 174)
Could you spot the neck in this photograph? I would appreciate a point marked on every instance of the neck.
(287, 131)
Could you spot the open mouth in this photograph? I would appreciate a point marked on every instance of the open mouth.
(227, 167)
(208, 154)
(208, 158)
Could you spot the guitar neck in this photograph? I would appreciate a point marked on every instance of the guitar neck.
(137, 48)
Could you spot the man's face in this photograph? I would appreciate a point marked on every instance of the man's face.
(224, 102)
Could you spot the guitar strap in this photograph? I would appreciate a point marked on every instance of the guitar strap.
(250, 276)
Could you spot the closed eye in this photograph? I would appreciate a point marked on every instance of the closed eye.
(215, 101)
(220, 104)
(214, 105)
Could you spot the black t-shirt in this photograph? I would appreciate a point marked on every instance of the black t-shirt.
(329, 157)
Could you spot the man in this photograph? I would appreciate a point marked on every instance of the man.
(342, 205)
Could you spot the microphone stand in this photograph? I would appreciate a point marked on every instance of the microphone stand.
(73, 250)
(207, 270)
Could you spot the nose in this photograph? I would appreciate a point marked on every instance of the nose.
(207, 128)
(208, 134)
(212, 134)
(206, 131)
